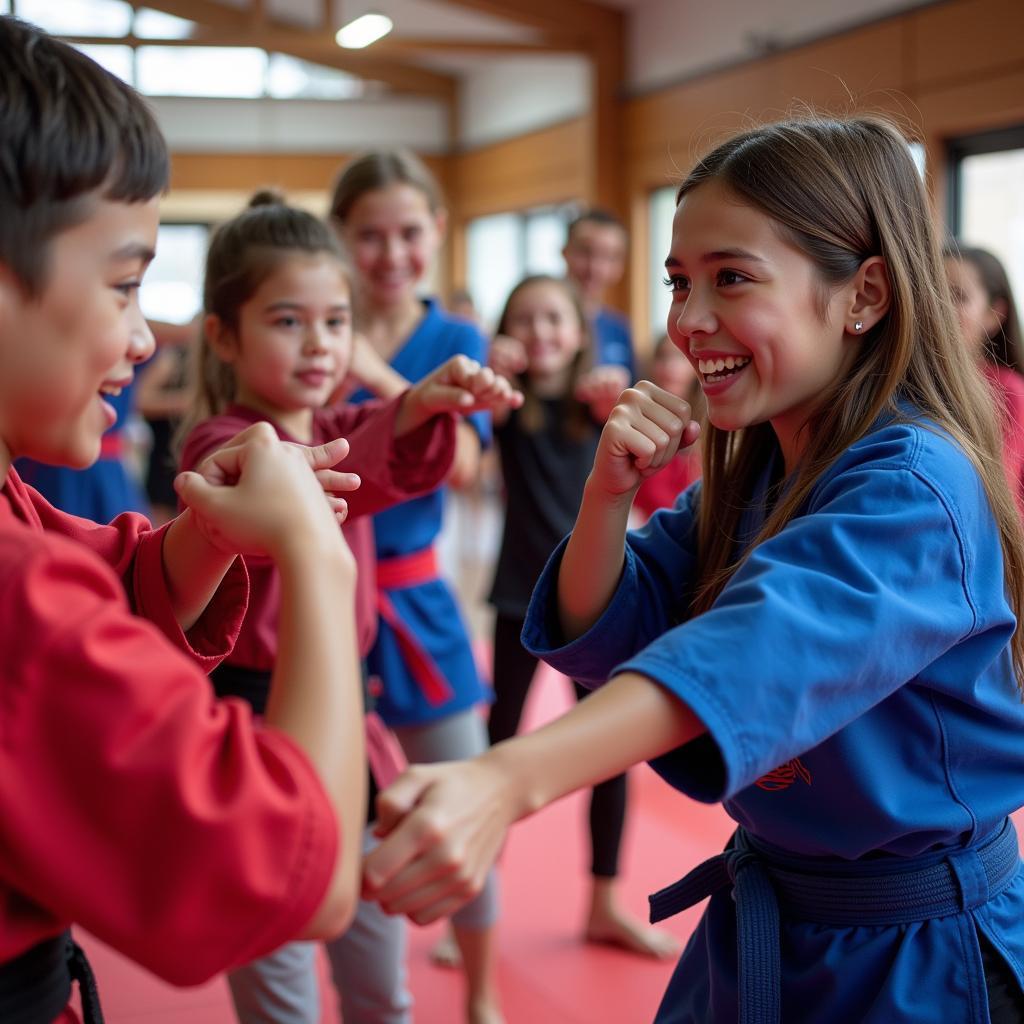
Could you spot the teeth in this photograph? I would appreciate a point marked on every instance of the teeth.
(106, 389)
(707, 366)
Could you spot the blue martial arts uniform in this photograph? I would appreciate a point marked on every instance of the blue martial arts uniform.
(856, 682)
(428, 609)
(613, 340)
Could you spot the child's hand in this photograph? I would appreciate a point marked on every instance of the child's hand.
(643, 433)
(259, 494)
(442, 826)
(507, 356)
(600, 388)
(460, 385)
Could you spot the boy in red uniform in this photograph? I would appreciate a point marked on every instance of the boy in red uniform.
(131, 801)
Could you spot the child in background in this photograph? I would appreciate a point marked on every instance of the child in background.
(169, 824)
(547, 449)
(276, 343)
(823, 633)
(671, 371)
(387, 210)
(991, 329)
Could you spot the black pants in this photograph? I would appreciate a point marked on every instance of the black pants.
(514, 669)
(1005, 1000)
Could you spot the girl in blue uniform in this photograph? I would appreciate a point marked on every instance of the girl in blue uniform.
(822, 634)
(388, 212)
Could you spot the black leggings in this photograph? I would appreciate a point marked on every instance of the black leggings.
(514, 668)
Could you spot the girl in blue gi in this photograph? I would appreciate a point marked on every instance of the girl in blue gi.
(822, 634)
(388, 212)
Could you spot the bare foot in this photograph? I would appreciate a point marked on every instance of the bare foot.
(445, 952)
(615, 928)
(484, 1012)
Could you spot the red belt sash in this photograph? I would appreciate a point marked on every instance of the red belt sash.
(112, 445)
(396, 574)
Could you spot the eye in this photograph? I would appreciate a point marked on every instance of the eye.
(128, 288)
(336, 323)
(286, 321)
(677, 283)
(728, 277)
(412, 233)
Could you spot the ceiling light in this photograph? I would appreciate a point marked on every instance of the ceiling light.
(363, 31)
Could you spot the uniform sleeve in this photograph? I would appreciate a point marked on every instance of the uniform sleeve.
(135, 804)
(392, 470)
(822, 622)
(652, 595)
(134, 551)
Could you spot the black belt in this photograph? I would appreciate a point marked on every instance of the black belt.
(35, 987)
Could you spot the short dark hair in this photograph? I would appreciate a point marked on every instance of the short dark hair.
(595, 215)
(68, 128)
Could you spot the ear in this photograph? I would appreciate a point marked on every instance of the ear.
(870, 296)
(220, 338)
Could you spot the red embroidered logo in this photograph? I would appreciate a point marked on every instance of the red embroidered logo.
(784, 776)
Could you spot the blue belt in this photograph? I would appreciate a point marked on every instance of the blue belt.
(888, 891)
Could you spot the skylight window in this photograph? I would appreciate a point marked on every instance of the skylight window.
(220, 71)
(78, 17)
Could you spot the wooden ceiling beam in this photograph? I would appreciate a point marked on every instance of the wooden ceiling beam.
(225, 26)
(571, 17)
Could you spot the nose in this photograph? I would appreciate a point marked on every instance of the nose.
(141, 343)
(693, 315)
(314, 342)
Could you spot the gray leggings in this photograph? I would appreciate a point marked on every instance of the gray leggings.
(455, 738)
(368, 963)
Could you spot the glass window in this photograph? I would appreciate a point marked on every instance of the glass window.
(227, 71)
(988, 202)
(291, 78)
(495, 261)
(78, 17)
(503, 248)
(661, 209)
(172, 289)
(157, 25)
(118, 60)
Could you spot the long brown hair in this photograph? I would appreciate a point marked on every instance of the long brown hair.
(575, 414)
(243, 253)
(843, 191)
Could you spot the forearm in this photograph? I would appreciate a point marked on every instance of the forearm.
(592, 563)
(193, 568)
(466, 464)
(316, 698)
(629, 720)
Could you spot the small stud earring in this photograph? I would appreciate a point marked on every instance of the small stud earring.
(858, 325)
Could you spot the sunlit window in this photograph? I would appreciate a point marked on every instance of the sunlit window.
(224, 71)
(118, 60)
(291, 78)
(660, 212)
(157, 25)
(173, 286)
(78, 17)
(503, 248)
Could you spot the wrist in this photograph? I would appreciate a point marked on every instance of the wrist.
(323, 551)
(596, 495)
(523, 794)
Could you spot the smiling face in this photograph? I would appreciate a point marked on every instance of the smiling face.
(595, 257)
(82, 335)
(392, 237)
(747, 312)
(293, 342)
(544, 318)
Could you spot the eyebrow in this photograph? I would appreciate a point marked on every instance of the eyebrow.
(133, 251)
(287, 304)
(719, 256)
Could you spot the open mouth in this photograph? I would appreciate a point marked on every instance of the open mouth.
(715, 370)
